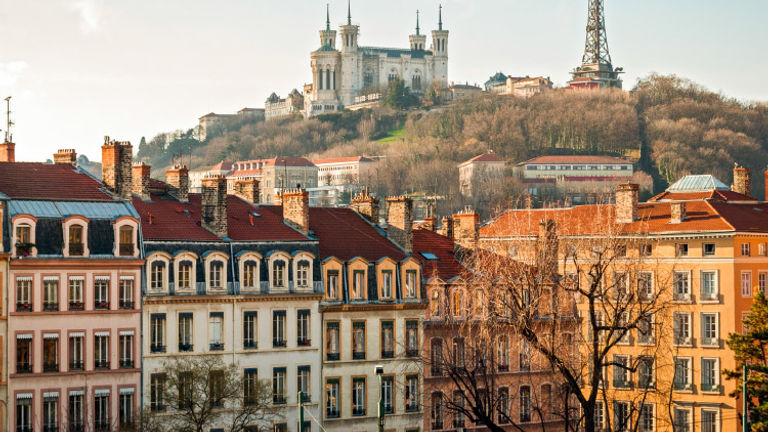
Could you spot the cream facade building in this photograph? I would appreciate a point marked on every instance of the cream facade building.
(343, 171)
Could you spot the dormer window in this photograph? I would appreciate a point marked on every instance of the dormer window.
(185, 276)
(332, 284)
(76, 246)
(215, 275)
(302, 274)
(386, 284)
(410, 284)
(358, 285)
(23, 243)
(250, 274)
(278, 274)
(23, 233)
(157, 276)
(126, 245)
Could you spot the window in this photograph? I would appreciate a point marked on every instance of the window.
(250, 386)
(50, 413)
(682, 420)
(186, 326)
(50, 352)
(76, 410)
(709, 420)
(621, 416)
(410, 283)
(215, 275)
(24, 413)
(388, 394)
(157, 276)
(646, 250)
(621, 375)
(709, 286)
(126, 241)
(503, 405)
(599, 416)
(101, 350)
(302, 328)
(709, 374)
(304, 383)
(682, 379)
(458, 352)
(682, 328)
(332, 398)
(126, 293)
(332, 284)
(126, 407)
(387, 339)
(437, 411)
(76, 245)
(762, 249)
(682, 283)
(745, 249)
(645, 330)
(157, 333)
(746, 284)
(358, 285)
(278, 329)
(647, 418)
(23, 294)
(762, 282)
(278, 274)
(126, 348)
(302, 274)
(101, 293)
(621, 285)
(525, 356)
(23, 233)
(434, 304)
(709, 331)
(525, 404)
(156, 392)
(681, 249)
(436, 356)
(250, 330)
(215, 387)
(458, 413)
(708, 249)
(184, 280)
(76, 354)
(411, 338)
(358, 396)
(645, 286)
(101, 411)
(215, 330)
(50, 294)
(76, 293)
(457, 303)
(358, 340)
(250, 274)
(332, 341)
(411, 393)
(502, 358)
(386, 284)
(645, 373)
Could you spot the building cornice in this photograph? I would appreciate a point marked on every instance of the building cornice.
(69, 263)
(373, 307)
(219, 299)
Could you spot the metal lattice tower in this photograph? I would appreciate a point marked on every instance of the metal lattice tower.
(596, 47)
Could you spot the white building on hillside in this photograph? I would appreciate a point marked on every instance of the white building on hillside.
(343, 170)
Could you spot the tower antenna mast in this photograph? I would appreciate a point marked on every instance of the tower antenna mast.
(8, 122)
(596, 68)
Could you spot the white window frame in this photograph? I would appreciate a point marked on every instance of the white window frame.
(688, 329)
(647, 296)
(297, 259)
(647, 419)
(134, 223)
(255, 257)
(69, 222)
(24, 220)
(710, 336)
(682, 297)
(762, 281)
(186, 256)
(710, 410)
(222, 259)
(166, 260)
(712, 296)
(746, 283)
(688, 373)
(715, 374)
(286, 259)
(689, 418)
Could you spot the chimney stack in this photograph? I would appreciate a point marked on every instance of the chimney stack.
(627, 196)
(430, 221)
(400, 221)
(367, 205)
(296, 209)
(547, 248)
(7, 152)
(178, 178)
(465, 227)
(213, 210)
(446, 227)
(248, 190)
(677, 212)
(65, 157)
(742, 180)
(116, 162)
(140, 179)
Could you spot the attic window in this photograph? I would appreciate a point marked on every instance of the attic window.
(254, 214)
(186, 212)
(429, 255)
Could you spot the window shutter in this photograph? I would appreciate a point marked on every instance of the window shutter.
(702, 331)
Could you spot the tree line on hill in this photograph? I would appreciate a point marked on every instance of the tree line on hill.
(670, 125)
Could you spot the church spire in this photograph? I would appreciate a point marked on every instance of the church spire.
(440, 22)
(349, 12)
(417, 22)
(327, 17)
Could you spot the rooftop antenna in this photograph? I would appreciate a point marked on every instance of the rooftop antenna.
(327, 17)
(417, 22)
(349, 12)
(440, 20)
(8, 122)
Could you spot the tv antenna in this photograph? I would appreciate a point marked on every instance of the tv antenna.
(8, 122)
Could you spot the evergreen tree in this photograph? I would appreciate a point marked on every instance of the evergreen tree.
(752, 348)
(399, 96)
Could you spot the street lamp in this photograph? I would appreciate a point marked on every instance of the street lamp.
(380, 372)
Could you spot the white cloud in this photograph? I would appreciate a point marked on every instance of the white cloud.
(90, 15)
(10, 72)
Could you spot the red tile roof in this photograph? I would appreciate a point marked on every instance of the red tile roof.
(576, 159)
(446, 266)
(172, 220)
(342, 160)
(485, 157)
(222, 166)
(34, 180)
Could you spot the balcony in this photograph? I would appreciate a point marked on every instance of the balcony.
(358, 355)
(76, 249)
(101, 305)
(126, 304)
(332, 412)
(50, 306)
(216, 346)
(185, 347)
(278, 399)
(279, 343)
(127, 364)
(156, 348)
(250, 344)
(332, 356)
(411, 407)
(303, 342)
(23, 367)
(358, 411)
(75, 427)
(306, 397)
(503, 367)
(76, 306)
(101, 425)
(646, 383)
(387, 354)
(50, 367)
(411, 352)
(53, 427)
(101, 364)
(126, 249)
(23, 307)
(389, 409)
(76, 365)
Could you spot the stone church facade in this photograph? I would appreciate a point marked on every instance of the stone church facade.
(341, 76)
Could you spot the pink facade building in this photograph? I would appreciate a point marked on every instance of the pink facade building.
(73, 295)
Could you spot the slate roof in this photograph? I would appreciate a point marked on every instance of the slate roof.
(62, 182)
(446, 266)
(394, 52)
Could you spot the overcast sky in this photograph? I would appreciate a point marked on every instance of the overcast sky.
(82, 69)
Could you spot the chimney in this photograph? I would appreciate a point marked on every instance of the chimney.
(178, 177)
(627, 195)
(248, 190)
(547, 247)
(400, 221)
(213, 205)
(140, 179)
(465, 227)
(65, 157)
(367, 205)
(446, 227)
(430, 221)
(677, 212)
(7, 152)
(296, 209)
(742, 180)
(116, 162)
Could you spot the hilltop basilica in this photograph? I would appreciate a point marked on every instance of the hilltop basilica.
(346, 76)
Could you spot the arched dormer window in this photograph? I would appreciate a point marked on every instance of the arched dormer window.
(357, 271)
(186, 272)
(386, 270)
(435, 306)
(331, 272)
(411, 280)
(457, 302)
(157, 272)
(23, 243)
(75, 237)
(126, 231)
(302, 272)
(216, 271)
(249, 264)
(278, 271)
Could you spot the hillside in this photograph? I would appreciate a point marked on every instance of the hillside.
(670, 125)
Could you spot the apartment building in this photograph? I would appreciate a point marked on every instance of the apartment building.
(4, 259)
(343, 170)
(73, 320)
(704, 249)
(228, 278)
(480, 172)
(274, 175)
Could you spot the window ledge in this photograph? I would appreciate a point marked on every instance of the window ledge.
(710, 301)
